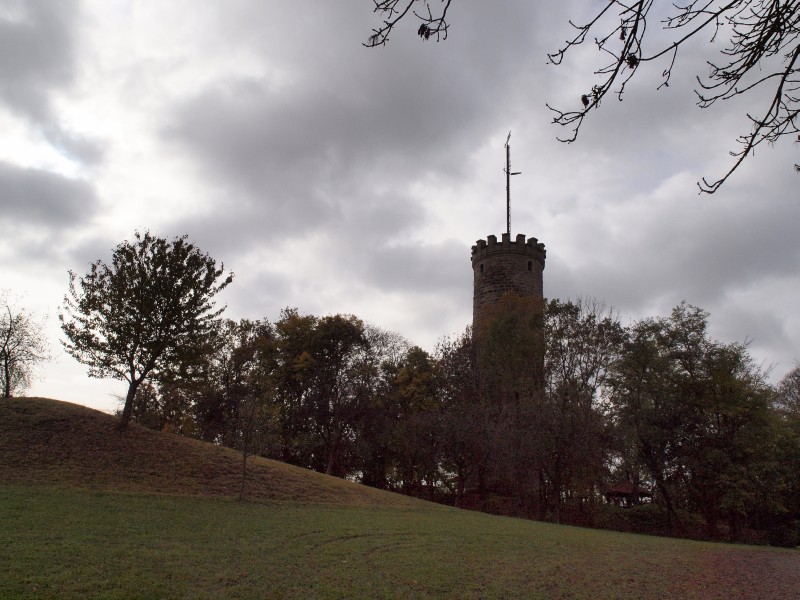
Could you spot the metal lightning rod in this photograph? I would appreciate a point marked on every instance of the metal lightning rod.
(508, 173)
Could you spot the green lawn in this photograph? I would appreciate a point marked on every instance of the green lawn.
(64, 543)
(87, 511)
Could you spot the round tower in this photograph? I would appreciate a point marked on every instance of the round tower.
(504, 268)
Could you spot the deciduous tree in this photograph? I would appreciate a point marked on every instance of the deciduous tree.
(257, 422)
(582, 339)
(146, 315)
(325, 376)
(700, 413)
(23, 346)
(377, 440)
(237, 368)
(788, 398)
(465, 424)
(787, 404)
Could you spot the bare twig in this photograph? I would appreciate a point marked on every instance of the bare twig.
(763, 40)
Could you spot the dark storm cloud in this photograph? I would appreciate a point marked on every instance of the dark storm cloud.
(81, 253)
(33, 197)
(349, 144)
(38, 58)
(301, 156)
(350, 123)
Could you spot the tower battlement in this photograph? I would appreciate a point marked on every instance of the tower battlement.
(530, 247)
(505, 267)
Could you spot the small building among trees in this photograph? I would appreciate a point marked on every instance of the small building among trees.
(626, 494)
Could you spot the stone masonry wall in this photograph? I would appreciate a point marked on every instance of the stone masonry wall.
(505, 266)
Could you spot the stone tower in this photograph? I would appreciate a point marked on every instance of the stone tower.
(505, 268)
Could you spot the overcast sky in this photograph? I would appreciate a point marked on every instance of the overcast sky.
(340, 179)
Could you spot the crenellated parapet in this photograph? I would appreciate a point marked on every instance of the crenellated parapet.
(505, 268)
(490, 246)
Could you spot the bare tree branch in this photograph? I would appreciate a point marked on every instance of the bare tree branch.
(433, 24)
(761, 33)
(763, 41)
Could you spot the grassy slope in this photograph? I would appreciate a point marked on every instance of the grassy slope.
(57, 443)
(57, 541)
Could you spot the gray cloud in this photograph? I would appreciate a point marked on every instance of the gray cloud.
(349, 122)
(37, 59)
(700, 248)
(34, 197)
(73, 145)
(36, 53)
(336, 178)
(310, 155)
(420, 268)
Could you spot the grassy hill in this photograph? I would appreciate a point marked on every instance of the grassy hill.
(48, 442)
(89, 512)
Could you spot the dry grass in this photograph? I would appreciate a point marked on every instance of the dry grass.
(48, 442)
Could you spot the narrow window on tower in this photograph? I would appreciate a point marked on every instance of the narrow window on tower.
(481, 268)
(530, 266)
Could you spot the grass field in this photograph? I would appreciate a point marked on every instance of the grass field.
(67, 538)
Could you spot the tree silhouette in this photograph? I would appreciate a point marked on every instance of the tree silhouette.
(147, 315)
(22, 347)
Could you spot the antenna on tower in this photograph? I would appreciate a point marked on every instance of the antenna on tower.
(508, 173)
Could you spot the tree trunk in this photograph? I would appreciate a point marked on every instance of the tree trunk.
(482, 492)
(5, 356)
(127, 410)
(672, 516)
(542, 508)
(244, 473)
(7, 383)
(735, 525)
(557, 507)
(461, 484)
(557, 493)
(332, 457)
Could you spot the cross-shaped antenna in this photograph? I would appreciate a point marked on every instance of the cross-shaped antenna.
(508, 173)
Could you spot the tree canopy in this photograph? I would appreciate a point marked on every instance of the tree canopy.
(760, 56)
(22, 347)
(146, 315)
(657, 406)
